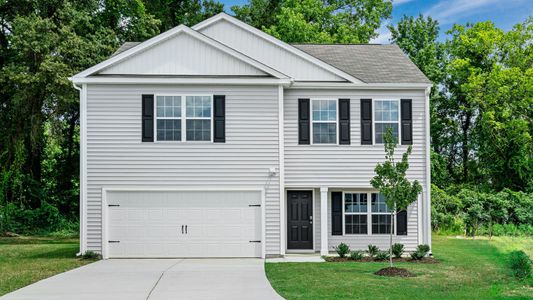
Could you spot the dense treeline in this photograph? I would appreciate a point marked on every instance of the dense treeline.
(481, 102)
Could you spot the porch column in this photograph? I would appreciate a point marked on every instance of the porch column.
(324, 221)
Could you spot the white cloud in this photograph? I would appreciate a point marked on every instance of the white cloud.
(449, 11)
(399, 2)
(383, 37)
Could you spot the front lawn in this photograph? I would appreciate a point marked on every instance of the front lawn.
(26, 260)
(468, 269)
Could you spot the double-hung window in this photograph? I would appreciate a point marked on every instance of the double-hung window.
(366, 213)
(324, 121)
(386, 115)
(355, 213)
(184, 118)
(381, 215)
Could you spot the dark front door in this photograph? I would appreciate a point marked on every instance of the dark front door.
(299, 220)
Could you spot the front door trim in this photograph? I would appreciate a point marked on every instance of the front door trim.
(286, 222)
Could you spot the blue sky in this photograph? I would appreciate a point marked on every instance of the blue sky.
(504, 13)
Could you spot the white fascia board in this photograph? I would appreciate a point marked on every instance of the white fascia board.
(334, 85)
(279, 43)
(179, 80)
(170, 33)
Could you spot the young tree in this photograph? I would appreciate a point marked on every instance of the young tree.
(391, 181)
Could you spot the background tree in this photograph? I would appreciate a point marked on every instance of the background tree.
(172, 13)
(391, 181)
(318, 21)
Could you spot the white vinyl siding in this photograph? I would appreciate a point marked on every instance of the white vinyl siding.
(116, 157)
(350, 167)
(268, 53)
(183, 54)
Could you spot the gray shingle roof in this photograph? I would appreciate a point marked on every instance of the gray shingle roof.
(125, 46)
(370, 63)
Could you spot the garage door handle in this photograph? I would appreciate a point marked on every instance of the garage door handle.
(185, 229)
(181, 229)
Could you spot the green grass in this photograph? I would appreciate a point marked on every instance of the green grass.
(26, 260)
(468, 269)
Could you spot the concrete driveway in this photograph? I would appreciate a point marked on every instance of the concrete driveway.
(156, 279)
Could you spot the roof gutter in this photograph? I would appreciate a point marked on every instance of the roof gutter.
(356, 86)
(181, 80)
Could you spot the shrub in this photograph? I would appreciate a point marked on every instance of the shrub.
(417, 255)
(382, 255)
(356, 255)
(520, 264)
(397, 250)
(423, 249)
(372, 250)
(421, 252)
(342, 249)
(90, 255)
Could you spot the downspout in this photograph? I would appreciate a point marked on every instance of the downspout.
(82, 204)
(427, 206)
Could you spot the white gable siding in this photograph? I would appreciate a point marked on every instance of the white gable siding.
(116, 157)
(183, 54)
(267, 52)
(350, 167)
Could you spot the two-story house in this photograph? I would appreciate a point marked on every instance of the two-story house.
(220, 140)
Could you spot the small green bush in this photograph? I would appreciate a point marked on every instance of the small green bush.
(417, 255)
(356, 255)
(382, 255)
(90, 255)
(520, 264)
(424, 249)
(372, 250)
(421, 252)
(397, 250)
(342, 250)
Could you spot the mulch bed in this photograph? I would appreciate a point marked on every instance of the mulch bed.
(394, 272)
(425, 260)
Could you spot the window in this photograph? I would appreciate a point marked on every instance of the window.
(181, 118)
(364, 217)
(198, 118)
(386, 115)
(168, 118)
(324, 121)
(355, 213)
(381, 217)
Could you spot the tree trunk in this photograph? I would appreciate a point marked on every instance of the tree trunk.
(466, 148)
(390, 240)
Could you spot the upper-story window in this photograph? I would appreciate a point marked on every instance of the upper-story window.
(386, 115)
(180, 117)
(324, 121)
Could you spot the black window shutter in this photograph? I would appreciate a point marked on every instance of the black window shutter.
(366, 121)
(344, 121)
(401, 220)
(219, 118)
(336, 213)
(303, 122)
(147, 118)
(407, 121)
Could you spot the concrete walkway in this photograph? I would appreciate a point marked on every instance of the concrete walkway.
(156, 279)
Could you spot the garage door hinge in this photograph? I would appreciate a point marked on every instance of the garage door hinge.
(113, 241)
(113, 205)
(255, 205)
(255, 241)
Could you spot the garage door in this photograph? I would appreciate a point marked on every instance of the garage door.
(184, 224)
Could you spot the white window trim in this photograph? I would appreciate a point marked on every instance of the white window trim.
(374, 119)
(313, 121)
(184, 118)
(369, 214)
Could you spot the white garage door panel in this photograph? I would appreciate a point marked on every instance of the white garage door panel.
(219, 224)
